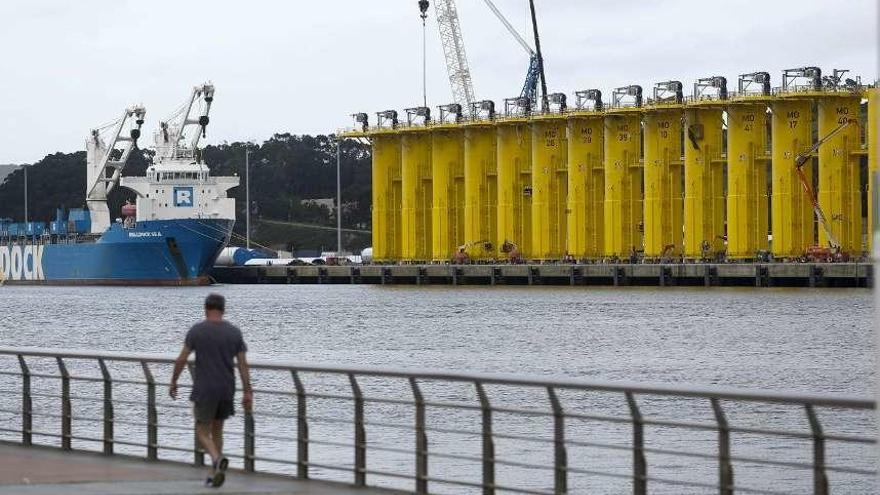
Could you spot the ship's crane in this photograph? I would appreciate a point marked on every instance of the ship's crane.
(105, 161)
(457, 67)
(171, 138)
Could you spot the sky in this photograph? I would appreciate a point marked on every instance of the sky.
(305, 66)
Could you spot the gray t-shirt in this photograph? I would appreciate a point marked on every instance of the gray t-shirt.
(216, 344)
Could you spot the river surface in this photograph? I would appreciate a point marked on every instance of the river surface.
(784, 339)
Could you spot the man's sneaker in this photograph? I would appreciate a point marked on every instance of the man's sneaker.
(218, 479)
(220, 472)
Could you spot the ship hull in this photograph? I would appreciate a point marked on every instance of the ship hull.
(177, 252)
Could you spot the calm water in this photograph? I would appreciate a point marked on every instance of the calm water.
(808, 340)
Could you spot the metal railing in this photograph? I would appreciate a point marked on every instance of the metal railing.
(563, 417)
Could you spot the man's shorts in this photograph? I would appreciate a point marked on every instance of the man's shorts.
(206, 411)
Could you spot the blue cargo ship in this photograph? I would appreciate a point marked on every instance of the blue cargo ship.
(178, 224)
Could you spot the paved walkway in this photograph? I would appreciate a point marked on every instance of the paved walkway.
(50, 471)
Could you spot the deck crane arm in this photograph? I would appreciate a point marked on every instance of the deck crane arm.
(105, 161)
(173, 130)
(101, 157)
(800, 160)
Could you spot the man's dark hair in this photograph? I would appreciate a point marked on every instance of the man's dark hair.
(215, 301)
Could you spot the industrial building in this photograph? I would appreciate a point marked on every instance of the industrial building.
(752, 173)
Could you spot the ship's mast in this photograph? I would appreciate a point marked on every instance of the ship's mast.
(171, 138)
(105, 161)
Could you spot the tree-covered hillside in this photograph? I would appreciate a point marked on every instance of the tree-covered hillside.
(284, 170)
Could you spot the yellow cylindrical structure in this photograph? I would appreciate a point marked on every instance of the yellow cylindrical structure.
(447, 219)
(747, 159)
(586, 186)
(515, 185)
(873, 141)
(792, 223)
(416, 201)
(386, 197)
(623, 183)
(549, 187)
(480, 191)
(663, 183)
(703, 182)
(839, 177)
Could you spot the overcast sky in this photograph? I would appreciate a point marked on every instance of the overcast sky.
(303, 66)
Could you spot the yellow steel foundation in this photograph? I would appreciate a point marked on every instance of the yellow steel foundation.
(872, 137)
(549, 187)
(747, 160)
(576, 184)
(515, 185)
(480, 191)
(839, 178)
(623, 183)
(586, 186)
(663, 182)
(447, 219)
(792, 223)
(703, 182)
(416, 204)
(386, 197)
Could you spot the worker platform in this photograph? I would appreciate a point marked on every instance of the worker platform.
(616, 274)
(48, 471)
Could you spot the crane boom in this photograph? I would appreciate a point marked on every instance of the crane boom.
(518, 37)
(456, 59)
(799, 163)
(535, 71)
(453, 49)
(105, 161)
(170, 139)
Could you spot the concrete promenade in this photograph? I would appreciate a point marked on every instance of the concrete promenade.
(51, 471)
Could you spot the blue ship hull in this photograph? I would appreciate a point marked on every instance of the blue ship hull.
(157, 252)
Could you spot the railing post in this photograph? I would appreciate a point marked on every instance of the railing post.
(488, 441)
(249, 441)
(360, 434)
(152, 414)
(820, 478)
(725, 468)
(302, 429)
(421, 439)
(198, 451)
(560, 455)
(640, 466)
(27, 405)
(108, 407)
(66, 412)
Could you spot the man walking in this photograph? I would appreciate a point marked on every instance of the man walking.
(216, 343)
